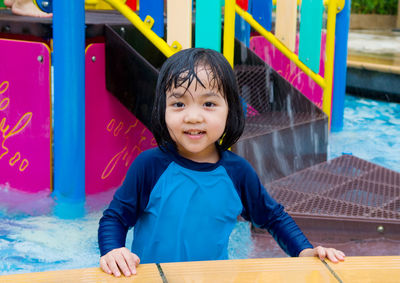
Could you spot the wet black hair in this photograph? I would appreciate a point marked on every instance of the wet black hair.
(180, 69)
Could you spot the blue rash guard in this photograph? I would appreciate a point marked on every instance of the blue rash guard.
(185, 211)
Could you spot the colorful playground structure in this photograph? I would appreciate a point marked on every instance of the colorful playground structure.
(76, 93)
(60, 152)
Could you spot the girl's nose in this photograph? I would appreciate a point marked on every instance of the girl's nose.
(193, 115)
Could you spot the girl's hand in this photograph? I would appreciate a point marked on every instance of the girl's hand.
(119, 259)
(332, 254)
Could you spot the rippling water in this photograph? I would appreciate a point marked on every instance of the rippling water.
(37, 234)
(36, 239)
(371, 131)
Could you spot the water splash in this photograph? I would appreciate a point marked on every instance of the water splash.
(35, 235)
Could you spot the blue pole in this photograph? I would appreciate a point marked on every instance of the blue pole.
(69, 100)
(340, 66)
(242, 28)
(154, 8)
(262, 12)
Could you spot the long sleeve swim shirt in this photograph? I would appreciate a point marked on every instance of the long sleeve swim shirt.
(183, 210)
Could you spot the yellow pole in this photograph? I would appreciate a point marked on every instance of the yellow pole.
(330, 50)
(282, 48)
(144, 29)
(229, 30)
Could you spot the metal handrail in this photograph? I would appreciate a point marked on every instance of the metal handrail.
(326, 82)
(145, 28)
(280, 46)
(330, 54)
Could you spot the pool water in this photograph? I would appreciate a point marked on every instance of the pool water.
(35, 239)
(371, 131)
(38, 234)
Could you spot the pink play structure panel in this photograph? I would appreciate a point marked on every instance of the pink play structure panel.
(287, 69)
(25, 139)
(114, 136)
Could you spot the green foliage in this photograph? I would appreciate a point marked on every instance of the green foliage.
(382, 7)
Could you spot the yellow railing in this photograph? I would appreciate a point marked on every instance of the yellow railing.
(282, 48)
(325, 82)
(229, 30)
(145, 28)
(329, 51)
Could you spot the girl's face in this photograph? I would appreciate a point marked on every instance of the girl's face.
(196, 118)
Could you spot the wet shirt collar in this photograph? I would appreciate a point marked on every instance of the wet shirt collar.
(190, 164)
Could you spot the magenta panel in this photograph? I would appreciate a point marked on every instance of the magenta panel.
(114, 136)
(273, 57)
(25, 128)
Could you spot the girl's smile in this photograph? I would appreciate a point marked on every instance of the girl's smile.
(196, 117)
(194, 134)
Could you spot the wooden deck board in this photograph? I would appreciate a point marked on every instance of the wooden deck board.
(250, 270)
(353, 269)
(146, 273)
(384, 68)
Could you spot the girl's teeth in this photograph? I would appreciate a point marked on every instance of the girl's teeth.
(194, 133)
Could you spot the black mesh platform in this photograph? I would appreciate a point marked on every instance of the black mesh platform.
(285, 132)
(347, 194)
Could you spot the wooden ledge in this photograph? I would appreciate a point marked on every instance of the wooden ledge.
(353, 269)
(373, 67)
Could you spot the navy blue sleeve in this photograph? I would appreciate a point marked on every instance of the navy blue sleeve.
(129, 200)
(264, 212)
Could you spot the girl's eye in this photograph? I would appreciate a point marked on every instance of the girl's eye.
(209, 104)
(178, 104)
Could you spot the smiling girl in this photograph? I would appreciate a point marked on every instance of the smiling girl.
(183, 197)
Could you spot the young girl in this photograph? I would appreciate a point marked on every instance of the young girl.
(184, 197)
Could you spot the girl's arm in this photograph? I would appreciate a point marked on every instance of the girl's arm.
(126, 207)
(265, 212)
(115, 257)
(115, 223)
(127, 204)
